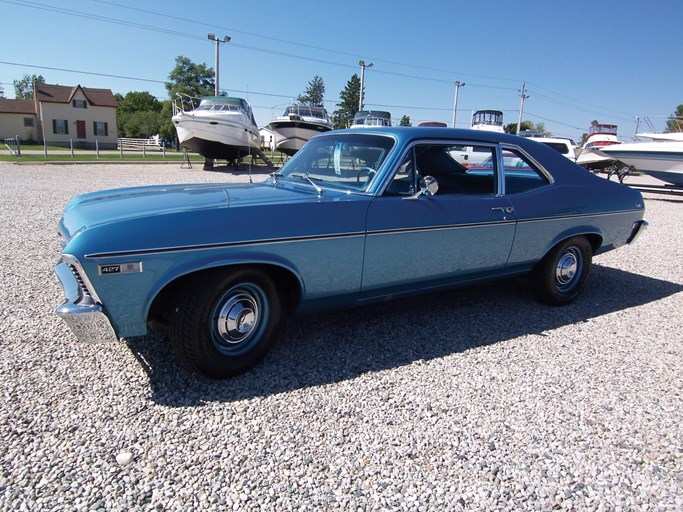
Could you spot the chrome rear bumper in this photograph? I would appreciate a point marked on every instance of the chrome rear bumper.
(638, 227)
(85, 318)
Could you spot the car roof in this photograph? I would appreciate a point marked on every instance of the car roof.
(408, 133)
(550, 158)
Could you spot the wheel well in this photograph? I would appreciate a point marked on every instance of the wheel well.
(285, 282)
(595, 240)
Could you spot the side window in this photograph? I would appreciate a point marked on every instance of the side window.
(520, 174)
(458, 169)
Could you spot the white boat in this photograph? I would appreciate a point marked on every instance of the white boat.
(296, 125)
(599, 136)
(365, 118)
(661, 159)
(218, 127)
(673, 136)
(489, 120)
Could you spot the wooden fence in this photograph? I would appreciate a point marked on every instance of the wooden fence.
(152, 143)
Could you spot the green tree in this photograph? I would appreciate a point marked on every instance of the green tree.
(167, 130)
(142, 125)
(2, 92)
(405, 121)
(23, 88)
(137, 101)
(675, 121)
(138, 114)
(527, 126)
(348, 104)
(186, 77)
(314, 93)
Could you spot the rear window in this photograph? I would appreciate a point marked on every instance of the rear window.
(558, 146)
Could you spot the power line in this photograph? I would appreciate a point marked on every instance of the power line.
(116, 21)
(573, 103)
(303, 45)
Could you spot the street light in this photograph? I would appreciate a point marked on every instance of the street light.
(362, 65)
(458, 85)
(226, 39)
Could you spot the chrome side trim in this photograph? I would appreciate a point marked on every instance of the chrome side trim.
(198, 247)
(578, 216)
(437, 228)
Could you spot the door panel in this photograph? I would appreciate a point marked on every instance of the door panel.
(435, 238)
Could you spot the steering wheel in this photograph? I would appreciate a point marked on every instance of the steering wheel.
(366, 172)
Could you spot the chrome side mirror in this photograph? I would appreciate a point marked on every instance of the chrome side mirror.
(428, 187)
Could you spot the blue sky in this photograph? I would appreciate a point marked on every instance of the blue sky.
(582, 60)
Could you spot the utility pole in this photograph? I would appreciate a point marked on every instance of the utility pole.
(458, 85)
(362, 65)
(226, 39)
(521, 107)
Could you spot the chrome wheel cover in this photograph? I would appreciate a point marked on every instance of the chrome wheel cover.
(568, 269)
(238, 319)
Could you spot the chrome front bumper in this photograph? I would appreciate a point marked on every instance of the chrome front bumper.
(85, 318)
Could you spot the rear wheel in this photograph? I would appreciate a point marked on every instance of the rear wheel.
(222, 327)
(561, 275)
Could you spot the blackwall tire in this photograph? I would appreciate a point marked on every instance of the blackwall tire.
(561, 275)
(223, 326)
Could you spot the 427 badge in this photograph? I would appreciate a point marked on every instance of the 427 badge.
(120, 268)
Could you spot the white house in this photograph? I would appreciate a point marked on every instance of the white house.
(62, 115)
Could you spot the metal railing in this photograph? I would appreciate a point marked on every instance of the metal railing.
(13, 145)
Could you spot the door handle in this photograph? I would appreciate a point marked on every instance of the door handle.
(504, 209)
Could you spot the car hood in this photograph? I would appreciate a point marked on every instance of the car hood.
(143, 218)
(116, 205)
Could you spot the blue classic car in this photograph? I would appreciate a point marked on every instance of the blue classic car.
(356, 216)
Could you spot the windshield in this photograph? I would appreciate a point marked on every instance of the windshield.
(306, 111)
(223, 105)
(343, 160)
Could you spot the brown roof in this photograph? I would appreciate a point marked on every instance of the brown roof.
(64, 94)
(16, 106)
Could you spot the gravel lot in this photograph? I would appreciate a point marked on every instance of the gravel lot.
(476, 399)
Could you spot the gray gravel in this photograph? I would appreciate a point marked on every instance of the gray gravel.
(476, 399)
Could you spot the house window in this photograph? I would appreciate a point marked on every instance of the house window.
(60, 126)
(28, 122)
(101, 129)
(80, 104)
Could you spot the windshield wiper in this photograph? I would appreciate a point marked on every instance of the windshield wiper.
(306, 177)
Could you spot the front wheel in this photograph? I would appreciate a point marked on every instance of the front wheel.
(561, 275)
(222, 327)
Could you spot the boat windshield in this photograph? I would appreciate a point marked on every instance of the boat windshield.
(345, 161)
(604, 129)
(223, 105)
(306, 111)
(488, 117)
(372, 118)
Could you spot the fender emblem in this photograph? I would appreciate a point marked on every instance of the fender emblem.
(120, 268)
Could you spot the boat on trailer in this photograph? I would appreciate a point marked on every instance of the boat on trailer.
(599, 136)
(660, 159)
(216, 127)
(296, 125)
